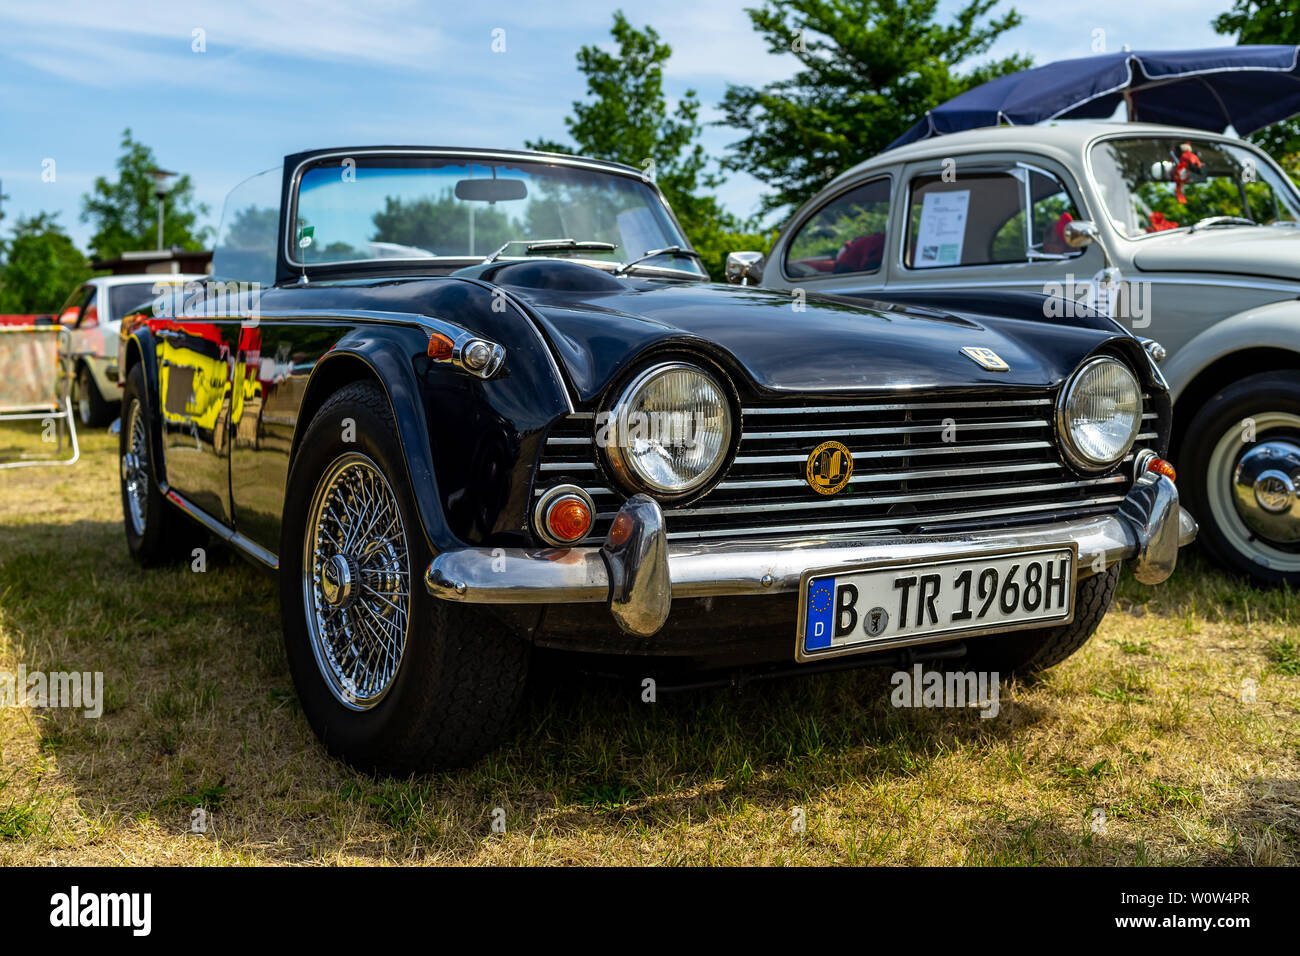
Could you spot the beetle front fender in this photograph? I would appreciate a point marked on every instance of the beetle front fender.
(1275, 326)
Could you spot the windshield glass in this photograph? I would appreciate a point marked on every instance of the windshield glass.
(1160, 183)
(250, 225)
(127, 298)
(392, 207)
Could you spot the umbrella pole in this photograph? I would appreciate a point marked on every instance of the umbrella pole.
(1128, 103)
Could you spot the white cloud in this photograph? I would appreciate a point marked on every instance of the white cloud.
(379, 31)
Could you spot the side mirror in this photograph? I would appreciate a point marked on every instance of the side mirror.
(1080, 232)
(744, 268)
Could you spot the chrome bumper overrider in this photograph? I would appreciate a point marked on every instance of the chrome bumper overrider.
(638, 573)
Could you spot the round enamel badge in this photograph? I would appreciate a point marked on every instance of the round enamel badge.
(830, 466)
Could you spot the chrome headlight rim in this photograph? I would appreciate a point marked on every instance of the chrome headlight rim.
(1065, 435)
(615, 450)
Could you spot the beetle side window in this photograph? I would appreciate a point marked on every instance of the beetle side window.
(987, 218)
(846, 235)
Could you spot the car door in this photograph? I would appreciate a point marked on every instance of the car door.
(996, 223)
(275, 359)
(195, 368)
(72, 313)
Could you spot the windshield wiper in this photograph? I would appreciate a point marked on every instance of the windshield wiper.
(666, 250)
(555, 245)
(1222, 221)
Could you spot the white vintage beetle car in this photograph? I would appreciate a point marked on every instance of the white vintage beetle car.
(1193, 240)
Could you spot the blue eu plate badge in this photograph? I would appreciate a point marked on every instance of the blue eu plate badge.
(821, 604)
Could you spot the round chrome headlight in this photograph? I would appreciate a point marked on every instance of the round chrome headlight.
(1099, 414)
(669, 431)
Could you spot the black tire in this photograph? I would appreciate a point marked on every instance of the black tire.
(1216, 436)
(461, 675)
(167, 535)
(1024, 653)
(92, 410)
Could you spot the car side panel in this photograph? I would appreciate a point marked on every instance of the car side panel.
(1276, 325)
(470, 444)
(195, 363)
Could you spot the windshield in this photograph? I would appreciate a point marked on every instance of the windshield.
(127, 298)
(391, 207)
(1162, 183)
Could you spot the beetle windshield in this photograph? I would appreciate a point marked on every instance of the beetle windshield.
(425, 207)
(1157, 184)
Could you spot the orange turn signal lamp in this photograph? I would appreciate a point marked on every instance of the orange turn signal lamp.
(568, 518)
(440, 347)
(1162, 467)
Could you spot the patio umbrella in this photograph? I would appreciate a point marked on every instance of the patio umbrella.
(1247, 87)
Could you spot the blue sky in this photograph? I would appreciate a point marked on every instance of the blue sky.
(279, 76)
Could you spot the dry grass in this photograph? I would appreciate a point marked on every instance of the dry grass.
(1147, 723)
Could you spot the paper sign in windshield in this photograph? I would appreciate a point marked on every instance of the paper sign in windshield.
(943, 229)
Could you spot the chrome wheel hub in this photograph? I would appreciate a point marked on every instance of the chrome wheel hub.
(1251, 484)
(356, 581)
(135, 477)
(337, 578)
(1264, 489)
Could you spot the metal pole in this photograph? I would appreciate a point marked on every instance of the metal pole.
(160, 220)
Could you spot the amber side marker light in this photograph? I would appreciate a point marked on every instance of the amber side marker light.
(568, 519)
(440, 347)
(1162, 467)
(621, 529)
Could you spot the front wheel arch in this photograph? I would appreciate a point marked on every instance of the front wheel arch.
(392, 374)
(1218, 375)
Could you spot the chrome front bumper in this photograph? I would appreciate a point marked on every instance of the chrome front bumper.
(639, 573)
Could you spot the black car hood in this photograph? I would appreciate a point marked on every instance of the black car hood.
(599, 324)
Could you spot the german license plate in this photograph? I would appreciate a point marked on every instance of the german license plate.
(850, 610)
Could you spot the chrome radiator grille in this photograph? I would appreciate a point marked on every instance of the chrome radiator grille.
(922, 466)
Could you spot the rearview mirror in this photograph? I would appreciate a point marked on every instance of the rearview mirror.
(490, 190)
(1079, 233)
(744, 268)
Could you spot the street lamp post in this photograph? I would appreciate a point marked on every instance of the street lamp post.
(162, 184)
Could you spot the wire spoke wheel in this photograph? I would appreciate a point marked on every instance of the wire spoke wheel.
(356, 581)
(135, 479)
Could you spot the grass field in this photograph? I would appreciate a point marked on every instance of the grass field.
(1141, 749)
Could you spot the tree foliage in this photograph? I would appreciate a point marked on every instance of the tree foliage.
(868, 70)
(627, 119)
(124, 211)
(41, 266)
(1267, 21)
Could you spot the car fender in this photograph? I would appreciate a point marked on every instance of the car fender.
(140, 350)
(1275, 325)
(390, 366)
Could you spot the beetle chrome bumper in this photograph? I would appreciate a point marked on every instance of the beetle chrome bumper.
(639, 573)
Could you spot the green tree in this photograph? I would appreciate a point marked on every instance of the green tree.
(628, 120)
(41, 266)
(441, 225)
(869, 70)
(124, 212)
(1267, 21)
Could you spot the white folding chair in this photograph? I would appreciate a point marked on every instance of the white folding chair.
(35, 385)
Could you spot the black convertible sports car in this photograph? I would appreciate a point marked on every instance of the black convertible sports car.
(469, 402)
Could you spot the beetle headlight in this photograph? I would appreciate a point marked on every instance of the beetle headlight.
(1099, 414)
(669, 431)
